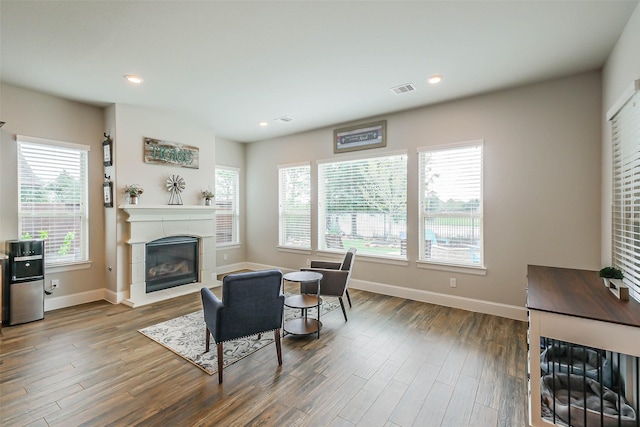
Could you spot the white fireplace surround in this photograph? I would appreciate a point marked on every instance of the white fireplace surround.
(152, 222)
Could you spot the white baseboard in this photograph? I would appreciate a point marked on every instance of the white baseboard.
(463, 303)
(54, 303)
(469, 304)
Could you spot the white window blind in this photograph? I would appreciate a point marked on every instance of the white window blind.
(227, 206)
(626, 192)
(294, 184)
(451, 204)
(363, 204)
(52, 205)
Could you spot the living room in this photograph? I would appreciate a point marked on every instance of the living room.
(546, 183)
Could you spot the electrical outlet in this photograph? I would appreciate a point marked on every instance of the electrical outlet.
(308, 262)
(225, 257)
(55, 283)
(452, 282)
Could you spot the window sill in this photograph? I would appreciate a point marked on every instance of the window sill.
(478, 271)
(60, 268)
(368, 258)
(305, 251)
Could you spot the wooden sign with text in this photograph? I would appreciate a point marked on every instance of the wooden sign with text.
(172, 153)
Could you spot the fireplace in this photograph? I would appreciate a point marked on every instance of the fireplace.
(171, 261)
(155, 223)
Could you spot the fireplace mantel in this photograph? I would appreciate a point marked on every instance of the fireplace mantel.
(153, 222)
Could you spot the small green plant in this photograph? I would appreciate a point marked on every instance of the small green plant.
(611, 273)
(208, 194)
(133, 190)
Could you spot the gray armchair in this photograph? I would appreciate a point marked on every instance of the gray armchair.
(335, 278)
(252, 303)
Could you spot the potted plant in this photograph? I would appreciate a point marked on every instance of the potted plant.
(609, 274)
(133, 191)
(208, 196)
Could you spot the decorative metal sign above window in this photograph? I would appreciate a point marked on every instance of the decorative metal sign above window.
(173, 153)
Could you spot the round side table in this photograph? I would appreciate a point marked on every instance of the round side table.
(304, 325)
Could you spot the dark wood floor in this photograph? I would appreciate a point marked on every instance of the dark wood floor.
(394, 363)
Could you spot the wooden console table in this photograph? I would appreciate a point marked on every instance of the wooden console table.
(575, 306)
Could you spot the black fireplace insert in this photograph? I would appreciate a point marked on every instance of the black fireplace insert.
(171, 261)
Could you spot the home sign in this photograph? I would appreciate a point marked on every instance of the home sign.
(172, 153)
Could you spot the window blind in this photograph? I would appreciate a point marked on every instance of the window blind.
(363, 204)
(294, 184)
(227, 206)
(451, 204)
(52, 191)
(625, 127)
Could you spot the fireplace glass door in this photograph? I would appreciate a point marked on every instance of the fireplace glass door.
(172, 261)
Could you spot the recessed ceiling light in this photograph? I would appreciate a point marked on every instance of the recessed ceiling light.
(435, 79)
(132, 78)
(263, 123)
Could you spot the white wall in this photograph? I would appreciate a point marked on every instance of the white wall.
(232, 154)
(129, 126)
(541, 185)
(37, 114)
(622, 68)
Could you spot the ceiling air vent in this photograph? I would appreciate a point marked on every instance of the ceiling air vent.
(399, 90)
(283, 119)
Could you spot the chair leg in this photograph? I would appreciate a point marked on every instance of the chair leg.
(343, 310)
(219, 363)
(346, 291)
(276, 335)
(206, 347)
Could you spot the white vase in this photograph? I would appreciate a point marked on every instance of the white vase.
(207, 201)
(133, 200)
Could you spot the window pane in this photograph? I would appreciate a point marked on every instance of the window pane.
(52, 183)
(363, 204)
(295, 206)
(227, 209)
(626, 193)
(451, 205)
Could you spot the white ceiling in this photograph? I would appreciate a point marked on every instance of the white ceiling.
(232, 64)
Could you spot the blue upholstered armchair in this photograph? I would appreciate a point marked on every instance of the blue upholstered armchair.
(252, 303)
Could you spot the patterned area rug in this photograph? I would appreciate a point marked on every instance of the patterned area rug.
(185, 336)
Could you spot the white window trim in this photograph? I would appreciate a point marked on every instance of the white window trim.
(348, 158)
(77, 265)
(616, 244)
(295, 249)
(400, 260)
(237, 242)
(44, 141)
(456, 268)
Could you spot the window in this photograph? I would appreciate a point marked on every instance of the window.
(363, 204)
(626, 192)
(451, 204)
(52, 192)
(294, 184)
(227, 206)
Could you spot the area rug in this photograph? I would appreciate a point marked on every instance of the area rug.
(185, 336)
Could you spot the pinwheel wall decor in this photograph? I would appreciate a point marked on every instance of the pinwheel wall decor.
(175, 186)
